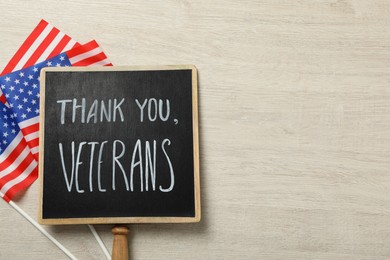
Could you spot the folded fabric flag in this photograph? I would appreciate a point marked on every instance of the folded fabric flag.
(44, 42)
(18, 168)
(21, 88)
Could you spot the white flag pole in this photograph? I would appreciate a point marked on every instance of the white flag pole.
(40, 228)
(52, 239)
(100, 241)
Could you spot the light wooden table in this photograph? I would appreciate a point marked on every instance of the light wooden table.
(294, 117)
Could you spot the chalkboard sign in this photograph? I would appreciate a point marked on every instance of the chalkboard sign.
(119, 145)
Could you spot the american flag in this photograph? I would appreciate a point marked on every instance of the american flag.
(18, 168)
(44, 42)
(21, 88)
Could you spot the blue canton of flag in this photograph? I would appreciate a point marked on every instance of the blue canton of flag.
(9, 127)
(21, 89)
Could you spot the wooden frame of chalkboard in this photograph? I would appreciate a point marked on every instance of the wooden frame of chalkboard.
(48, 198)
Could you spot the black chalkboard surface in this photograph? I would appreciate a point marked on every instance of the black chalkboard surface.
(119, 145)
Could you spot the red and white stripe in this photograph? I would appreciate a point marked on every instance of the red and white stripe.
(44, 42)
(30, 130)
(89, 54)
(18, 168)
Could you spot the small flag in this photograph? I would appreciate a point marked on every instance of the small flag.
(44, 42)
(18, 168)
(21, 88)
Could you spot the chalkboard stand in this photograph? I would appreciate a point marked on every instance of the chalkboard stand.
(120, 248)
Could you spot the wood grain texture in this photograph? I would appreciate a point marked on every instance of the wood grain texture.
(294, 101)
(120, 246)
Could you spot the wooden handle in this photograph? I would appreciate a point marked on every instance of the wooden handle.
(120, 247)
